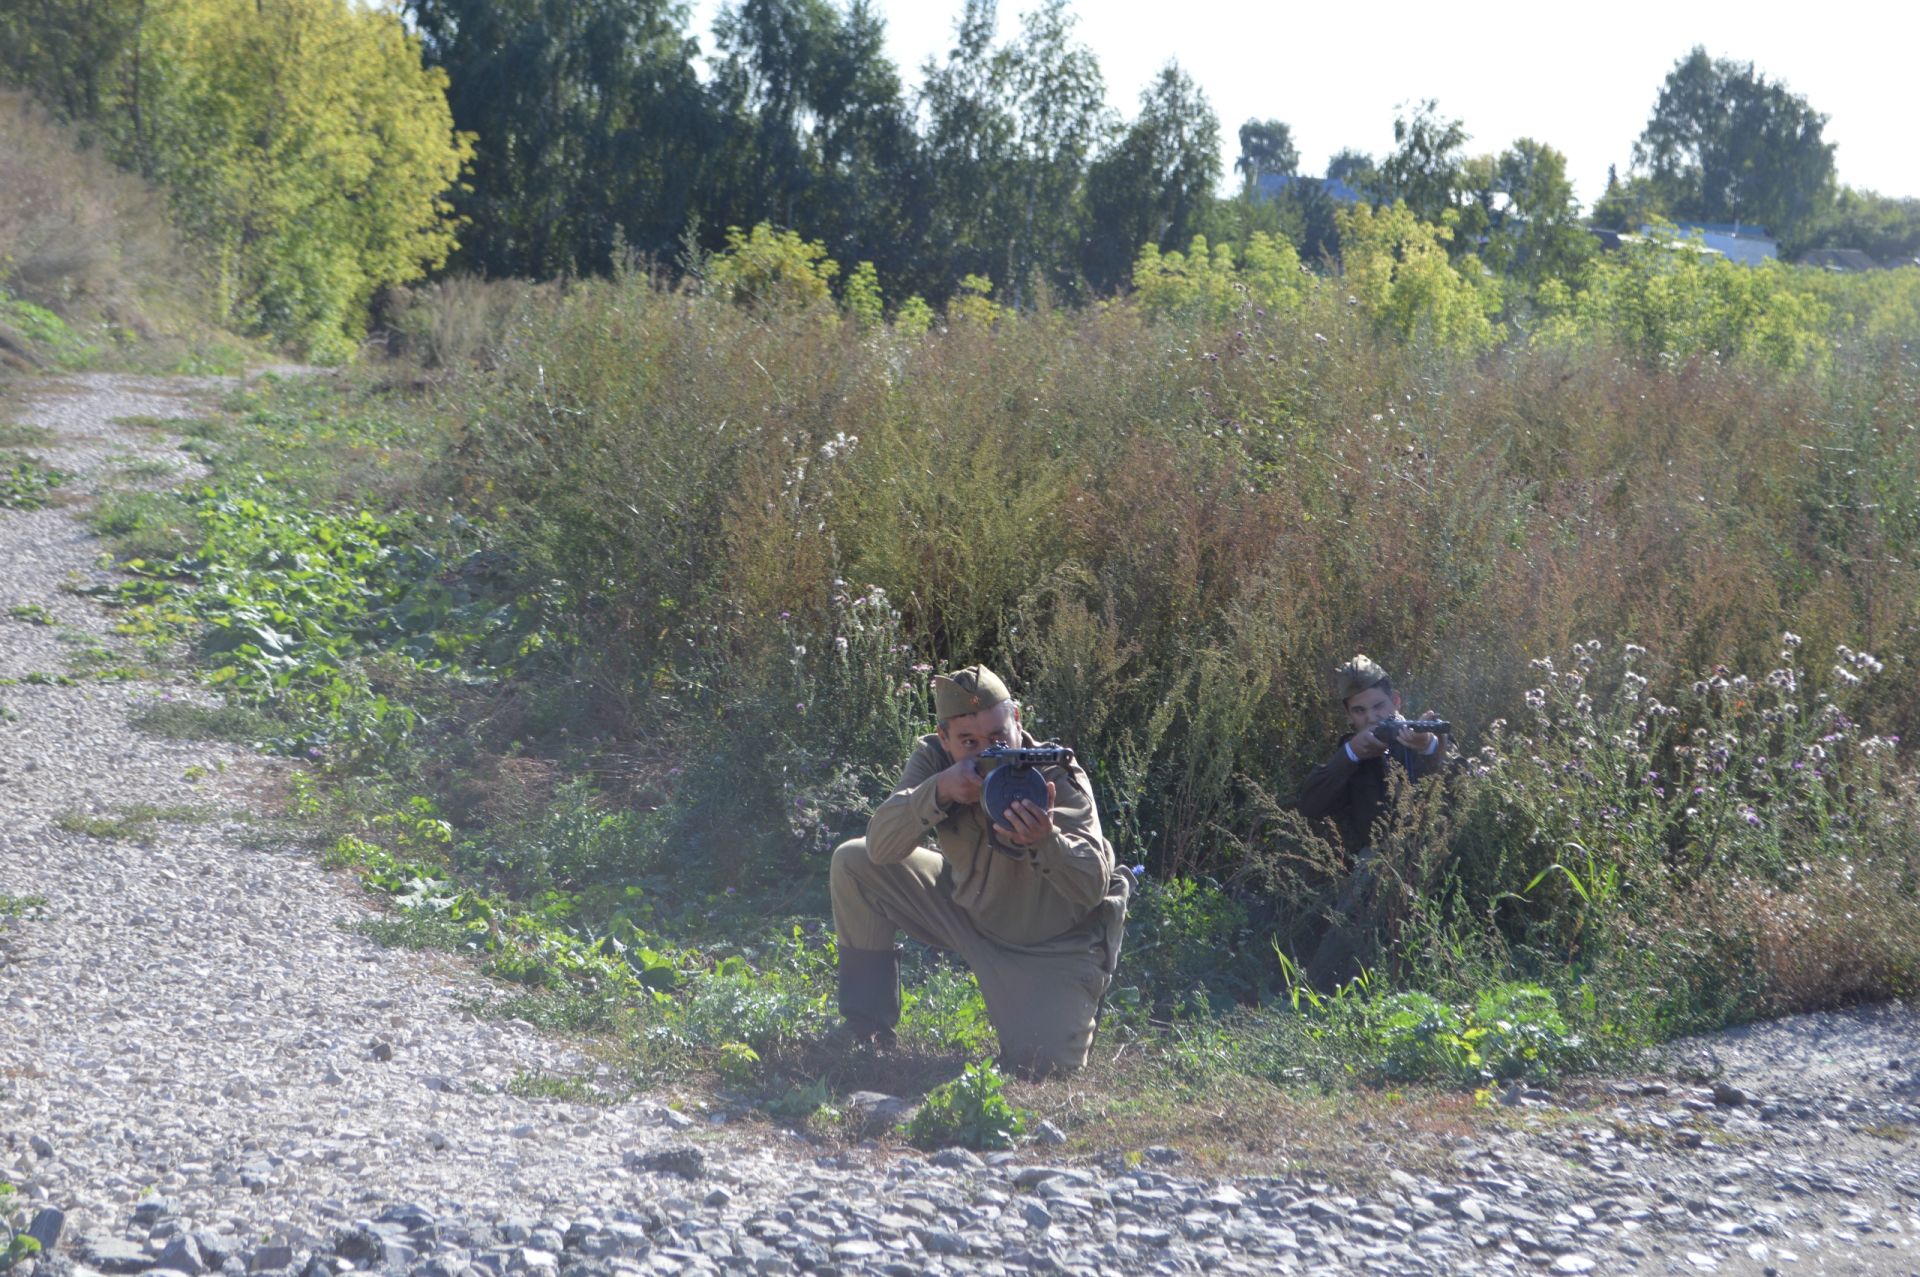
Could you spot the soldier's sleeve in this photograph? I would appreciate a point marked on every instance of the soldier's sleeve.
(904, 818)
(1421, 766)
(1077, 860)
(1325, 789)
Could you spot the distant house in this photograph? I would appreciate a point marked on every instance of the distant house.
(1271, 184)
(1746, 244)
(1848, 260)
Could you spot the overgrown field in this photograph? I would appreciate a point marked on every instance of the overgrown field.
(602, 620)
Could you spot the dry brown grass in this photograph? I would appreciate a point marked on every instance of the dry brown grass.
(82, 237)
(1844, 936)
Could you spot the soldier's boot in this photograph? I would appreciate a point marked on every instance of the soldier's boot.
(870, 993)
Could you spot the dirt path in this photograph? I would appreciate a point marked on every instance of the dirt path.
(204, 1066)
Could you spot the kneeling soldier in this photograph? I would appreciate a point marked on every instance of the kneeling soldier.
(1034, 906)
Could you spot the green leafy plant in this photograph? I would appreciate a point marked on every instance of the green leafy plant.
(15, 1245)
(26, 483)
(970, 1110)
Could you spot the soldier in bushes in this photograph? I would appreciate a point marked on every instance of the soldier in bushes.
(1351, 789)
(1037, 917)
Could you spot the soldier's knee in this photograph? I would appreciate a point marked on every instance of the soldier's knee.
(849, 858)
(1037, 1060)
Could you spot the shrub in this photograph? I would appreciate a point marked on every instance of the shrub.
(771, 268)
(1663, 299)
(1398, 269)
(969, 1110)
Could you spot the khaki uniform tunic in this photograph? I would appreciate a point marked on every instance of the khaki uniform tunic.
(1040, 927)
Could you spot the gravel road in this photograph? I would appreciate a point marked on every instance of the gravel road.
(204, 1068)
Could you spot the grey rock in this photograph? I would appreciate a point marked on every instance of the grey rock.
(154, 1209)
(856, 1250)
(363, 1246)
(41, 1145)
(1036, 1215)
(382, 1049)
(45, 1227)
(1730, 1096)
(876, 1108)
(958, 1159)
(269, 1259)
(1048, 1133)
(183, 1254)
(408, 1215)
(440, 1266)
(1031, 1176)
(942, 1242)
(683, 1160)
(215, 1248)
(529, 1259)
(114, 1255)
(1161, 1155)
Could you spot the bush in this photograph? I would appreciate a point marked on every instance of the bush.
(969, 1110)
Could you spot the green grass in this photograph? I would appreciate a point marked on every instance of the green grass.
(179, 720)
(16, 434)
(133, 821)
(31, 613)
(416, 930)
(569, 1088)
(146, 468)
(12, 906)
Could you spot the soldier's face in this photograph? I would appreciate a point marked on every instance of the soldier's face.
(965, 735)
(1364, 709)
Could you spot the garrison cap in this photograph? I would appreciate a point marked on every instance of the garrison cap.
(967, 691)
(1357, 675)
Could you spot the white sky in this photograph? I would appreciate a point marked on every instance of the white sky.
(1581, 79)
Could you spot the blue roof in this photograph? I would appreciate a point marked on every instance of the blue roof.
(1745, 230)
(1271, 184)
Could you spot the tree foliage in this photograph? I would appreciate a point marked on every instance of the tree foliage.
(300, 141)
(1154, 184)
(1425, 169)
(1266, 146)
(1726, 144)
(589, 123)
(1524, 206)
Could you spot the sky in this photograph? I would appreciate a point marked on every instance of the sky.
(1583, 80)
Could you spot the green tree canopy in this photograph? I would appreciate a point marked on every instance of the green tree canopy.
(1266, 146)
(1726, 144)
(1424, 170)
(1010, 131)
(1155, 184)
(1887, 230)
(1527, 212)
(818, 133)
(591, 127)
(1355, 168)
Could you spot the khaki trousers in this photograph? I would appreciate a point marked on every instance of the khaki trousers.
(1043, 999)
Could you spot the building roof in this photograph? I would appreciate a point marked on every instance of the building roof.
(1742, 230)
(1271, 184)
(1843, 259)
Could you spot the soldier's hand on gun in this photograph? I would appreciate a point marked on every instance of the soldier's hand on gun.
(1030, 823)
(959, 784)
(1420, 742)
(1365, 745)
